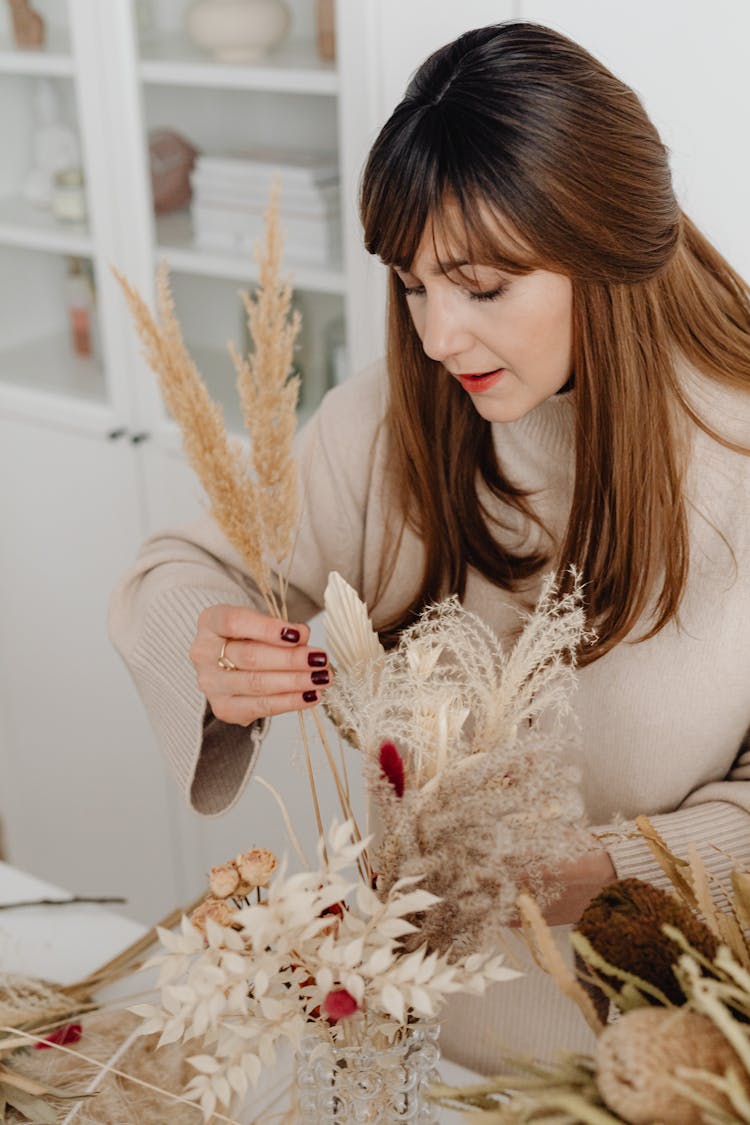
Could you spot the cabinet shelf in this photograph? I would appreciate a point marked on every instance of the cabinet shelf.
(53, 60)
(296, 69)
(46, 368)
(23, 224)
(175, 242)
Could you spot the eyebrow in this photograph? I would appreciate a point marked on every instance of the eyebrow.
(446, 266)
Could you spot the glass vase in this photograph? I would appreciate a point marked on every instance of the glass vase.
(364, 1083)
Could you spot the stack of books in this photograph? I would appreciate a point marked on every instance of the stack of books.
(230, 195)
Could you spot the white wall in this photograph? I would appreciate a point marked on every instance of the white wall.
(688, 61)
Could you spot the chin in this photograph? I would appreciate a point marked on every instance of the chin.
(503, 411)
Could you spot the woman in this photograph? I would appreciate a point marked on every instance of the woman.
(567, 381)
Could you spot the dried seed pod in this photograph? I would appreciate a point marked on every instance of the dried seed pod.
(624, 925)
(637, 1055)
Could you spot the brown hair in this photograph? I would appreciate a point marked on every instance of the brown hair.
(518, 126)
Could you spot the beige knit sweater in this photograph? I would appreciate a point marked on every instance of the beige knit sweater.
(665, 725)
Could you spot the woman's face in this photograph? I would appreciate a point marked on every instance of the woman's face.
(505, 337)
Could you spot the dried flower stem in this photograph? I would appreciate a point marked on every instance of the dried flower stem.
(313, 787)
(218, 462)
(364, 867)
(287, 820)
(551, 961)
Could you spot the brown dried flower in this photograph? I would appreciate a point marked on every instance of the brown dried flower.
(624, 925)
(224, 880)
(217, 909)
(638, 1055)
(256, 867)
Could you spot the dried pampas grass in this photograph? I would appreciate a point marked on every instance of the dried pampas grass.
(488, 802)
(253, 496)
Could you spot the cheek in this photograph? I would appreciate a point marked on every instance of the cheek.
(552, 328)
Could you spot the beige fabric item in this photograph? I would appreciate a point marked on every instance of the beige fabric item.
(665, 725)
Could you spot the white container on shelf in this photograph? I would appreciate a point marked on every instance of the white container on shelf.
(238, 31)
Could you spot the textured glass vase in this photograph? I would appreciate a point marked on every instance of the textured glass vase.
(364, 1084)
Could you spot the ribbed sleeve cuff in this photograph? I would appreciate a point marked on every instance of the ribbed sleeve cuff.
(211, 760)
(720, 831)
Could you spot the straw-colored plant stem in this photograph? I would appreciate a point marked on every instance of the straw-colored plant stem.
(268, 393)
(219, 462)
(549, 958)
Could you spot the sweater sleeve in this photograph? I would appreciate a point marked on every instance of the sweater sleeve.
(715, 817)
(178, 573)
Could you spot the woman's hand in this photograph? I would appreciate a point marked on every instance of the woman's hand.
(581, 880)
(251, 666)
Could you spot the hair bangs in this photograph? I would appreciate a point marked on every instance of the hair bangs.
(400, 190)
(467, 230)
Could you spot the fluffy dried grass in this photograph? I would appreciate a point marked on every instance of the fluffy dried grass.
(253, 496)
(489, 804)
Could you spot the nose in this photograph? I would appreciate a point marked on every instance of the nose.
(443, 331)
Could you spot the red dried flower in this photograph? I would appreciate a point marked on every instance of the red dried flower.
(392, 765)
(70, 1033)
(339, 1004)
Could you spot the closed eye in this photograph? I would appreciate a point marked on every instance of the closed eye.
(490, 295)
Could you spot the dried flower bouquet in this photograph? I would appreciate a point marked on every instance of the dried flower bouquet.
(320, 948)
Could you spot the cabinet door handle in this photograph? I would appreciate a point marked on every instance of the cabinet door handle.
(136, 439)
(115, 435)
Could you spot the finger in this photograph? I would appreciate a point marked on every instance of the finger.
(244, 623)
(252, 656)
(259, 684)
(243, 711)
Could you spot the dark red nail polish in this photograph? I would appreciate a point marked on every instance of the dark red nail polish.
(317, 659)
(320, 677)
(290, 635)
(310, 696)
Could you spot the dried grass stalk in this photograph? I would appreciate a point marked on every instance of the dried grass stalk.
(552, 962)
(253, 498)
(268, 393)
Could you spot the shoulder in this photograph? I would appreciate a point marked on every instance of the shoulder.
(359, 401)
(723, 407)
(342, 441)
(718, 480)
(350, 418)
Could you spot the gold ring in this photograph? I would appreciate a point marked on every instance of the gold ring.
(224, 661)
